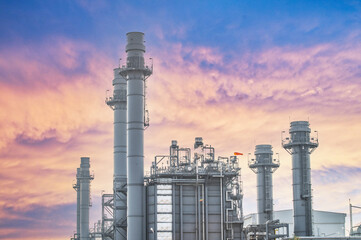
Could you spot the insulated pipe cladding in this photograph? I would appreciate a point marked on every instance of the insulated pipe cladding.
(135, 73)
(84, 180)
(300, 145)
(264, 165)
(119, 104)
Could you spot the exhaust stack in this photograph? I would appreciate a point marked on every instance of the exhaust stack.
(119, 104)
(77, 188)
(264, 165)
(300, 145)
(84, 180)
(135, 72)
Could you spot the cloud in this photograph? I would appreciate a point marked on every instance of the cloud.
(53, 112)
(34, 222)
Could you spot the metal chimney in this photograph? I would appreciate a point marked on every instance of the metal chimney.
(77, 188)
(264, 165)
(300, 145)
(84, 180)
(135, 73)
(119, 104)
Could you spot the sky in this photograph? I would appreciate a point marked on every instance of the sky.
(233, 72)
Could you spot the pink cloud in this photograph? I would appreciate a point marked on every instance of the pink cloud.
(53, 112)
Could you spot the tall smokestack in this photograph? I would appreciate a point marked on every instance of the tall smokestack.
(136, 73)
(77, 188)
(84, 179)
(300, 146)
(119, 104)
(264, 165)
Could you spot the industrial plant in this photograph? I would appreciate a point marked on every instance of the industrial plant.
(190, 193)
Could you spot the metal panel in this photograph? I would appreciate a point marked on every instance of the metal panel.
(164, 227)
(164, 236)
(164, 208)
(164, 192)
(164, 199)
(164, 217)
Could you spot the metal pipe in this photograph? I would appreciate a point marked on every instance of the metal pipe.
(351, 229)
(206, 199)
(119, 104)
(84, 198)
(199, 212)
(173, 208)
(181, 211)
(203, 217)
(196, 212)
(222, 220)
(135, 74)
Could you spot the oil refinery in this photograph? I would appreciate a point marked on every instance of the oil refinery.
(190, 193)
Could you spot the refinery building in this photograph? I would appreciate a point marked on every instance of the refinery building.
(191, 193)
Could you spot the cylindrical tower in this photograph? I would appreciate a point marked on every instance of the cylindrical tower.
(300, 145)
(119, 104)
(264, 165)
(135, 72)
(77, 188)
(84, 180)
(173, 154)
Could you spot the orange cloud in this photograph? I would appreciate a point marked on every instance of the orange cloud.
(53, 112)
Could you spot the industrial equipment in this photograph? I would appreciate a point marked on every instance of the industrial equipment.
(300, 145)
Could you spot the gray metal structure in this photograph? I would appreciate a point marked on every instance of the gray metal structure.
(354, 230)
(264, 165)
(194, 199)
(300, 145)
(83, 179)
(118, 102)
(107, 223)
(135, 72)
(76, 187)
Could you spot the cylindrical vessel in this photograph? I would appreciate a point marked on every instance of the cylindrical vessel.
(264, 161)
(300, 146)
(84, 198)
(135, 138)
(119, 104)
(301, 170)
(77, 188)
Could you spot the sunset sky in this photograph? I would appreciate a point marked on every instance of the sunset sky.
(233, 72)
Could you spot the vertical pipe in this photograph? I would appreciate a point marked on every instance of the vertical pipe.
(119, 104)
(84, 198)
(222, 220)
(173, 208)
(181, 210)
(199, 213)
(196, 207)
(203, 213)
(103, 215)
(206, 199)
(155, 234)
(135, 138)
(351, 229)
